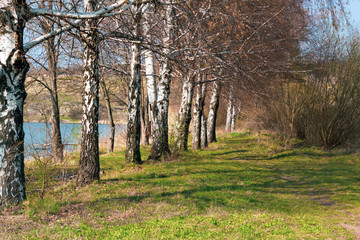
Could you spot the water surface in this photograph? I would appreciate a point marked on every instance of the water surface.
(37, 140)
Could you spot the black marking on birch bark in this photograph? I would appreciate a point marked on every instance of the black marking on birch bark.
(134, 125)
(214, 107)
(12, 96)
(89, 164)
(13, 71)
(160, 139)
(199, 117)
(184, 115)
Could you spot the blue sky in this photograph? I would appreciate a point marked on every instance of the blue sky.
(354, 9)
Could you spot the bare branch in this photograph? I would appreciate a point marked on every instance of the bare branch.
(63, 14)
(39, 40)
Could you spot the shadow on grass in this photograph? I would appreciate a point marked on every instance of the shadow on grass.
(286, 183)
(228, 152)
(255, 188)
(286, 154)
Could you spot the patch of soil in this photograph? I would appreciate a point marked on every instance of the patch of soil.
(355, 229)
(68, 212)
(11, 224)
(134, 169)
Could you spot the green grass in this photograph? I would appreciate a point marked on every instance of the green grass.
(243, 187)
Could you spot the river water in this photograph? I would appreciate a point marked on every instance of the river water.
(37, 137)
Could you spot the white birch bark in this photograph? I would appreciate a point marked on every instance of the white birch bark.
(89, 166)
(203, 128)
(151, 86)
(159, 100)
(199, 118)
(213, 110)
(134, 124)
(13, 69)
(229, 114)
(199, 115)
(184, 115)
(150, 67)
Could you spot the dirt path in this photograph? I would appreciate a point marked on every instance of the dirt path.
(355, 229)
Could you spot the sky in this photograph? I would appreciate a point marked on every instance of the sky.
(354, 9)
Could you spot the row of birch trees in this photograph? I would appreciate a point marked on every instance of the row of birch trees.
(225, 49)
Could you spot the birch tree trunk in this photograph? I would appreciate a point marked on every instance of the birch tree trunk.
(133, 126)
(196, 143)
(89, 166)
(13, 69)
(203, 129)
(199, 116)
(184, 116)
(229, 114)
(204, 140)
(150, 71)
(213, 110)
(110, 116)
(150, 78)
(160, 98)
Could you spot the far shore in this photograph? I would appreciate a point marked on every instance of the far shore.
(73, 122)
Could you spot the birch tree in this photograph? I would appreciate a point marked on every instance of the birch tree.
(213, 110)
(89, 165)
(134, 126)
(199, 117)
(204, 139)
(159, 95)
(13, 69)
(196, 39)
(184, 115)
(231, 115)
(150, 73)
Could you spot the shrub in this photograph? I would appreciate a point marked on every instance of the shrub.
(323, 108)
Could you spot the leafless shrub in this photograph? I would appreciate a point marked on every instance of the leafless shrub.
(323, 108)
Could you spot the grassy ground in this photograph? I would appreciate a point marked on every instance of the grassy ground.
(243, 187)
